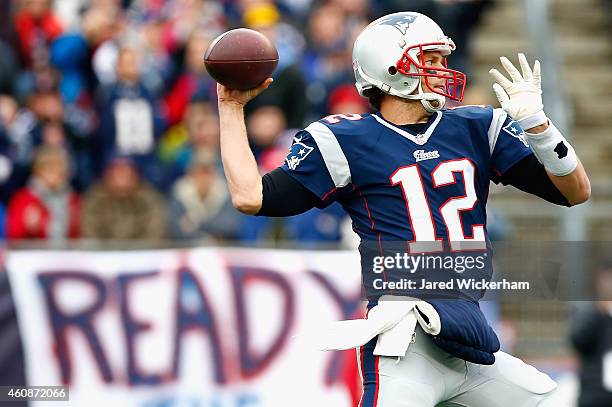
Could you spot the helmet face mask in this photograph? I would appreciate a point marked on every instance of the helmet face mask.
(415, 66)
(389, 54)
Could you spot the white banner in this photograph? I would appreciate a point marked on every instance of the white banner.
(199, 328)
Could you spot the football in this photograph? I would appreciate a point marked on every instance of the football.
(241, 58)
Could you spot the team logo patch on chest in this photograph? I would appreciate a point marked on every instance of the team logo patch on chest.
(422, 155)
(297, 153)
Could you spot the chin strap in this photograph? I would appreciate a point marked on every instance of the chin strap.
(434, 104)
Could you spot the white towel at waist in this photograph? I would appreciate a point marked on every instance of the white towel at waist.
(394, 320)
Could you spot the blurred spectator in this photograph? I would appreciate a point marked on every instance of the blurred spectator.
(193, 83)
(122, 206)
(327, 62)
(345, 99)
(130, 120)
(46, 208)
(37, 27)
(188, 16)
(358, 13)
(106, 53)
(55, 133)
(297, 9)
(145, 33)
(68, 11)
(26, 129)
(8, 68)
(289, 87)
(71, 53)
(157, 66)
(104, 60)
(198, 131)
(16, 145)
(591, 337)
(265, 127)
(200, 206)
(355, 9)
(46, 106)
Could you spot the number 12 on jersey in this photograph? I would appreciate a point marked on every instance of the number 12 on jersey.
(419, 211)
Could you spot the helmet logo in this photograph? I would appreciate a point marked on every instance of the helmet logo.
(400, 22)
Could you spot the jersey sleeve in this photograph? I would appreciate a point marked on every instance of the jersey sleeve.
(317, 161)
(507, 142)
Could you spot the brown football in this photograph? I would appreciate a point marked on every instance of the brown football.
(241, 58)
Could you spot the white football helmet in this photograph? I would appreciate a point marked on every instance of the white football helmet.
(388, 54)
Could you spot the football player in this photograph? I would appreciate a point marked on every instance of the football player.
(418, 173)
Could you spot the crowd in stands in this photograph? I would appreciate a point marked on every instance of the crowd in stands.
(108, 122)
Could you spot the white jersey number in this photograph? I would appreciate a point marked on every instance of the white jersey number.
(419, 211)
(337, 118)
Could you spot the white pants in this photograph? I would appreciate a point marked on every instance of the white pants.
(429, 377)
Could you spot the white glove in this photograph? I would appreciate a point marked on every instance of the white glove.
(521, 98)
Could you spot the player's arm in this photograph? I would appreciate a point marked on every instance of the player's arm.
(530, 176)
(521, 98)
(575, 186)
(276, 194)
(283, 195)
(239, 165)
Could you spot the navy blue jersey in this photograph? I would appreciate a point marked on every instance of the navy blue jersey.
(427, 190)
(400, 186)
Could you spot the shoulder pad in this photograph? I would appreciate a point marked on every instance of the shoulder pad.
(332, 152)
